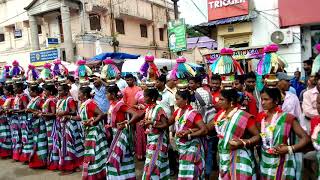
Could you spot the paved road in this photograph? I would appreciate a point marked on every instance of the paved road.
(10, 170)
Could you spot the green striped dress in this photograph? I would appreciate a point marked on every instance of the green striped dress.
(191, 152)
(71, 149)
(96, 146)
(120, 159)
(5, 133)
(236, 164)
(157, 163)
(275, 166)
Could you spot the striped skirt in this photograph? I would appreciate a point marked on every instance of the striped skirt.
(5, 137)
(15, 128)
(96, 148)
(238, 164)
(27, 138)
(318, 160)
(39, 154)
(157, 163)
(277, 167)
(53, 138)
(120, 161)
(72, 149)
(191, 159)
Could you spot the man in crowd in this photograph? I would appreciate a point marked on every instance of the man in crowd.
(100, 97)
(199, 93)
(121, 83)
(167, 100)
(238, 83)
(74, 89)
(215, 89)
(129, 93)
(296, 83)
(250, 87)
(310, 100)
(171, 85)
(307, 66)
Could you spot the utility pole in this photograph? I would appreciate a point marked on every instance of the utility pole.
(176, 15)
(175, 6)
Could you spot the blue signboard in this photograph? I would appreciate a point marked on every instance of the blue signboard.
(43, 56)
(53, 41)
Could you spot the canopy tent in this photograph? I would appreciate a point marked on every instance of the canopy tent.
(115, 55)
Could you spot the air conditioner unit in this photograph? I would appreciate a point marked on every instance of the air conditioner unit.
(282, 36)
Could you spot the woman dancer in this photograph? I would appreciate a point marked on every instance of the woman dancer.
(277, 160)
(237, 131)
(52, 125)
(35, 148)
(96, 146)
(120, 160)
(189, 130)
(71, 150)
(157, 163)
(5, 135)
(19, 116)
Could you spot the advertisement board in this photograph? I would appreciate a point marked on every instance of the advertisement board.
(177, 35)
(39, 58)
(220, 9)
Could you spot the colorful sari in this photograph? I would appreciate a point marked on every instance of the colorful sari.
(157, 163)
(120, 160)
(315, 137)
(276, 167)
(39, 146)
(17, 119)
(27, 130)
(140, 136)
(53, 134)
(234, 164)
(71, 149)
(96, 146)
(191, 152)
(5, 134)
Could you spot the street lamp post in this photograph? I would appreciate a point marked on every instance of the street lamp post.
(176, 12)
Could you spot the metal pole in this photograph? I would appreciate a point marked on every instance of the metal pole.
(175, 6)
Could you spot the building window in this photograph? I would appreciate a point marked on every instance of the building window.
(95, 23)
(17, 33)
(144, 30)
(161, 34)
(39, 29)
(120, 26)
(2, 39)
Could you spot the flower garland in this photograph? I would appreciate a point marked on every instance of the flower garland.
(221, 123)
(148, 117)
(315, 137)
(267, 132)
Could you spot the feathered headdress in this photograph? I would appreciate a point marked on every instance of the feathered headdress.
(59, 69)
(227, 67)
(109, 70)
(182, 71)
(316, 63)
(32, 74)
(149, 70)
(46, 72)
(271, 62)
(82, 70)
(225, 64)
(16, 69)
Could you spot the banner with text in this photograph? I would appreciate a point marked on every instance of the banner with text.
(220, 9)
(39, 58)
(177, 35)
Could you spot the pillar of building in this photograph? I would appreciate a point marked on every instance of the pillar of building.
(35, 45)
(67, 34)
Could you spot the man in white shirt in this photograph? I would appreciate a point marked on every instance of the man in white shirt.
(167, 98)
(121, 83)
(74, 89)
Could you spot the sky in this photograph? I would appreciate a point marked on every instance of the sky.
(190, 12)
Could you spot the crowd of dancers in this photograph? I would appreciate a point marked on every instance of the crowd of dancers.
(187, 122)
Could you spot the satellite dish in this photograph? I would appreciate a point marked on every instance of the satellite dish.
(277, 37)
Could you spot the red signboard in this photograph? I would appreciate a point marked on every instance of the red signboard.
(219, 9)
(298, 12)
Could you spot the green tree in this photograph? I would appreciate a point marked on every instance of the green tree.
(191, 32)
